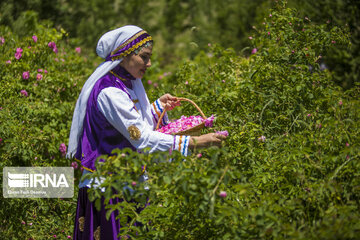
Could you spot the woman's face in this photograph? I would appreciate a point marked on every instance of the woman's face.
(136, 64)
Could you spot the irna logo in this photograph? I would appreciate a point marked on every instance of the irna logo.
(37, 180)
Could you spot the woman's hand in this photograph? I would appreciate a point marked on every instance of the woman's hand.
(206, 140)
(168, 102)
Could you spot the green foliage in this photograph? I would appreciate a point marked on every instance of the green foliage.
(35, 123)
(44, 115)
(290, 166)
(182, 28)
(344, 62)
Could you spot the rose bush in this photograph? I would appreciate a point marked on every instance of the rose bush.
(286, 170)
(38, 91)
(289, 168)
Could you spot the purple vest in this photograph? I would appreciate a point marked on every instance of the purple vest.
(99, 136)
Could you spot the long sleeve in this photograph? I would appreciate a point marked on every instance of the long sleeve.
(119, 110)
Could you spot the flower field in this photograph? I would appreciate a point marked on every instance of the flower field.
(289, 169)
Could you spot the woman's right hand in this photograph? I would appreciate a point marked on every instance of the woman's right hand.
(206, 140)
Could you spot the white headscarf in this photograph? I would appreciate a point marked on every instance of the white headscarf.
(107, 43)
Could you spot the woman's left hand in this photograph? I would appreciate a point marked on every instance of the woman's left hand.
(168, 102)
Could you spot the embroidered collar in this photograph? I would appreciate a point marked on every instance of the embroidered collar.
(123, 75)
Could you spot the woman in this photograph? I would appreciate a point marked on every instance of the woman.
(113, 111)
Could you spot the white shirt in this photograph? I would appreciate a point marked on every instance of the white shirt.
(119, 110)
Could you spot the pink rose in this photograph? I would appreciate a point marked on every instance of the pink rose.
(209, 121)
(18, 53)
(51, 45)
(62, 149)
(78, 50)
(25, 75)
(8, 62)
(39, 70)
(34, 38)
(24, 93)
(2, 40)
(225, 133)
(39, 76)
(181, 124)
(74, 165)
(254, 51)
(262, 139)
(222, 194)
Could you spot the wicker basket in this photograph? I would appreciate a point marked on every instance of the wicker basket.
(194, 131)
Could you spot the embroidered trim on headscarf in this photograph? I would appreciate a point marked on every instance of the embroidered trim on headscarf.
(133, 48)
(134, 132)
(81, 223)
(129, 41)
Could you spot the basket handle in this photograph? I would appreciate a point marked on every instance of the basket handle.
(180, 99)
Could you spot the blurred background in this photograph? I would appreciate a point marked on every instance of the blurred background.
(182, 28)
